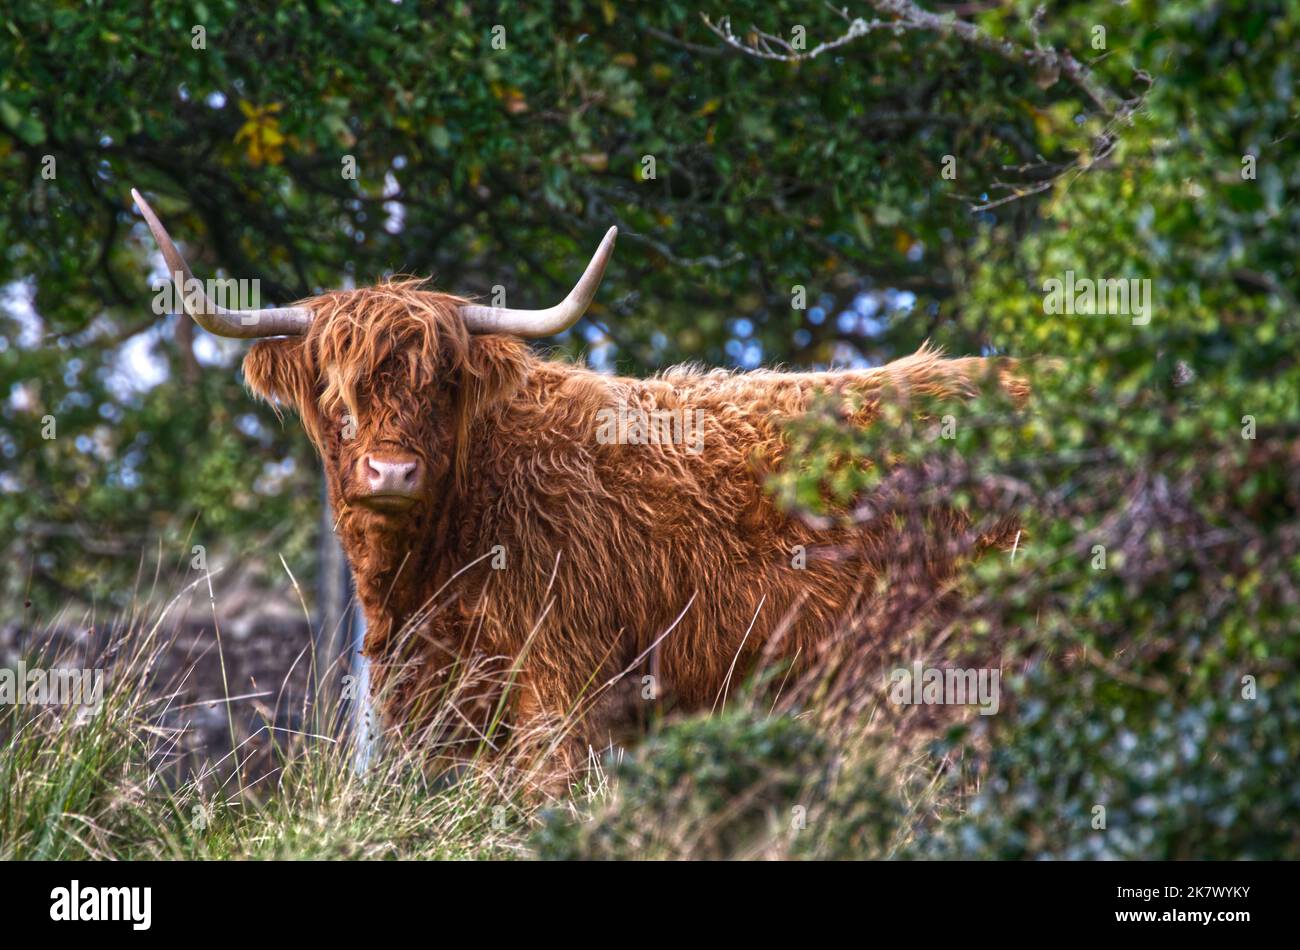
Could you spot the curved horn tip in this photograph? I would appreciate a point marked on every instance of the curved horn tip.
(140, 203)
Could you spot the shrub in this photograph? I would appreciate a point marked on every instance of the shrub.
(706, 787)
(1212, 778)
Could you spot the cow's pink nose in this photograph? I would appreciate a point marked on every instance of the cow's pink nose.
(391, 476)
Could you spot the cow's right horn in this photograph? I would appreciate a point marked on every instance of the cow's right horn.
(242, 324)
(539, 323)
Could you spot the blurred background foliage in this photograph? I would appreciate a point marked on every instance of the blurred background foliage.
(1174, 445)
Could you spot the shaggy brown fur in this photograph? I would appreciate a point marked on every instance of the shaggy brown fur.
(605, 546)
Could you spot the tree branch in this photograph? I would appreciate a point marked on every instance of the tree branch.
(1047, 63)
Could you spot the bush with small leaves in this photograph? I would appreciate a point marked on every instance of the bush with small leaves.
(705, 787)
(1073, 776)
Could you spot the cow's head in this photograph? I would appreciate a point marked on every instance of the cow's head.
(388, 380)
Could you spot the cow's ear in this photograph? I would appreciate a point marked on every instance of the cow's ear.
(495, 367)
(276, 371)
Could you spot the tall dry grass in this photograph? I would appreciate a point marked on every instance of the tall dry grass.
(782, 766)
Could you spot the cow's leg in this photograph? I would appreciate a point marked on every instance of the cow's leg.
(550, 730)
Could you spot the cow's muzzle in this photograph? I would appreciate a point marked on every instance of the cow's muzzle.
(389, 483)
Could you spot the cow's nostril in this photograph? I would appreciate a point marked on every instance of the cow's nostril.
(396, 477)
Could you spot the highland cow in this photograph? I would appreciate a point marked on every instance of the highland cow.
(577, 527)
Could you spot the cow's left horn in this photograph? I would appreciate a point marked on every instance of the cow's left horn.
(539, 323)
(243, 324)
